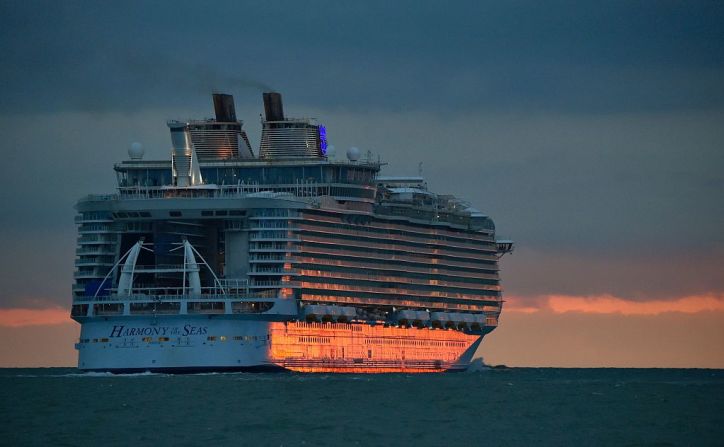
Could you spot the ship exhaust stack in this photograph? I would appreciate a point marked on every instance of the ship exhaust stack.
(224, 108)
(273, 108)
(283, 137)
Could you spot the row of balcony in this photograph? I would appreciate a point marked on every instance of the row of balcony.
(399, 258)
(396, 237)
(397, 248)
(435, 231)
(361, 265)
(310, 285)
(439, 305)
(311, 275)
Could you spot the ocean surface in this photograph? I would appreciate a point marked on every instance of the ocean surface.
(497, 407)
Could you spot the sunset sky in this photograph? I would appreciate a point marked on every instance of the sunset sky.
(592, 133)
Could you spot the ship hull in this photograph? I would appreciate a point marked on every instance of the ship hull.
(183, 344)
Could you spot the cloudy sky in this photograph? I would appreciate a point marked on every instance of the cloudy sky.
(592, 132)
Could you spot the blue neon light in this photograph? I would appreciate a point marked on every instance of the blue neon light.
(323, 139)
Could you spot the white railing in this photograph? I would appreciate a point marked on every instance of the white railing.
(300, 189)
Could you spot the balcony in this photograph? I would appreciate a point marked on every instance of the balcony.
(273, 272)
(84, 262)
(96, 240)
(268, 259)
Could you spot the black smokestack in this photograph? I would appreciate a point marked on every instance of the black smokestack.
(224, 107)
(273, 106)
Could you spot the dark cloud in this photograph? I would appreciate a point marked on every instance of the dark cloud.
(553, 57)
(588, 131)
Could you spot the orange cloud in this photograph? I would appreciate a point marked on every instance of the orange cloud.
(608, 304)
(34, 317)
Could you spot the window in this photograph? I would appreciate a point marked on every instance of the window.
(174, 213)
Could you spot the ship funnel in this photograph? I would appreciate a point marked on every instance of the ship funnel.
(273, 106)
(288, 137)
(224, 107)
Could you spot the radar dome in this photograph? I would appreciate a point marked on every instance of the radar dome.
(353, 154)
(135, 152)
(331, 151)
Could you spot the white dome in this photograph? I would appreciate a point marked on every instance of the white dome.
(135, 152)
(331, 151)
(353, 154)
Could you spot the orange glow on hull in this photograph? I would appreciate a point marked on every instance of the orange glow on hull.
(362, 349)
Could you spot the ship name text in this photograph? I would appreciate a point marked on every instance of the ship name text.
(123, 331)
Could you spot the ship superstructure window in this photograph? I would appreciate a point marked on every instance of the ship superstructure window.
(79, 310)
(108, 308)
(174, 213)
(139, 227)
(211, 307)
(156, 308)
(315, 340)
(248, 338)
(102, 216)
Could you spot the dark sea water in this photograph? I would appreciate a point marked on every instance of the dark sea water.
(516, 407)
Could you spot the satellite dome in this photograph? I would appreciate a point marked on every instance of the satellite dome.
(331, 151)
(353, 154)
(135, 152)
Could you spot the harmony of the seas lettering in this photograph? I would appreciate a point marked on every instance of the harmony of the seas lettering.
(123, 331)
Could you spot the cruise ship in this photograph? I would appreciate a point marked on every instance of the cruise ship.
(223, 259)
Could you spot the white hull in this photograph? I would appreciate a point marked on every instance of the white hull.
(225, 343)
(173, 342)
